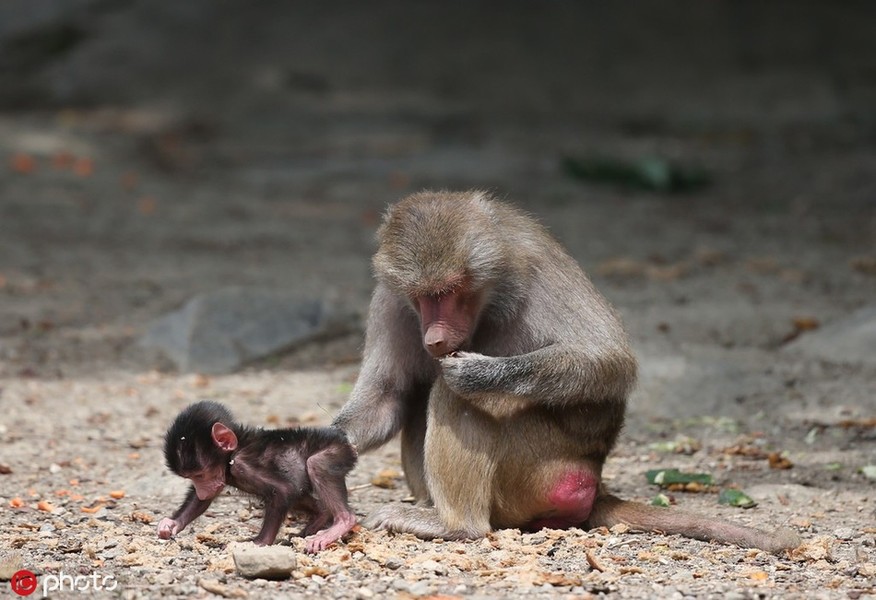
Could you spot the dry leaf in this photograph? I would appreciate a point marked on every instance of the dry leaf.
(23, 163)
(62, 160)
(208, 540)
(214, 587)
(312, 570)
(692, 487)
(864, 423)
(746, 450)
(141, 517)
(805, 323)
(558, 579)
(147, 205)
(309, 417)
(84, 167)
(620, 267)
(594, 564)
(667, 272)
(813, 550)
(777, 461)
(387, 479)
(134, 559)
(864, 264)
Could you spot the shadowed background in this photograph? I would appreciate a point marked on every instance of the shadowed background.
(710, 164)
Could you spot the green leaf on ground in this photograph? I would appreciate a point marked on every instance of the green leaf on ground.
(680, 445)
(648, 173)
(664, 477)
(734, 497)
(661, 500)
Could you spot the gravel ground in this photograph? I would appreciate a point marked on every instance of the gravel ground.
(169, 149)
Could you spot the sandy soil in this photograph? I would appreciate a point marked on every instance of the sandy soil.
(169, 149)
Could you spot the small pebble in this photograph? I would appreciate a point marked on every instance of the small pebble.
(433, 566)
(111, 553)
(421, 588)
(266, 562)
(845, 533)
(393, 564)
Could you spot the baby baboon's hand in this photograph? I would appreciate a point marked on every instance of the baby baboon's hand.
(167, 528)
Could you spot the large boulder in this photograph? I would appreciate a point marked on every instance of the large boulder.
(851, 339)
(218, 332)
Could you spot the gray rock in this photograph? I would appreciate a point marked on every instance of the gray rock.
(393, 564)
(10, 563)
(769, 493)
(111, 553)
(266, 562)
(851, 339)
(218, 332)
(671, 381)
(420, 588)
(845, 533)
(433, 567)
